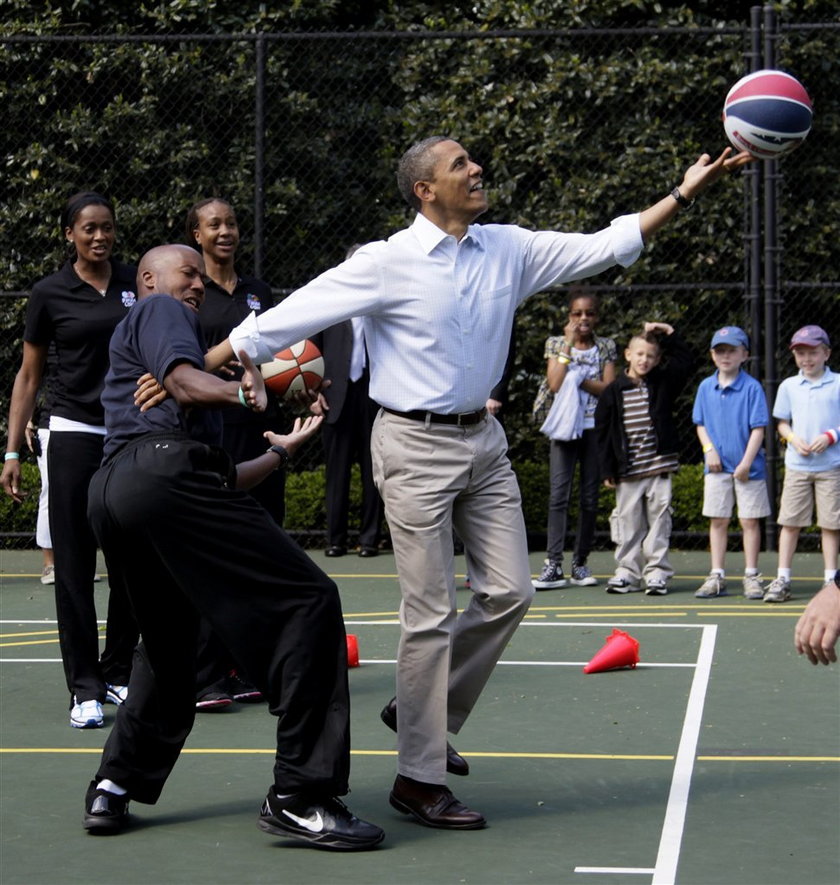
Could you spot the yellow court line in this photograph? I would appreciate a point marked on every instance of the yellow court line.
(612, 615)
(789, 613)
(651, 608)
(34, 642)
(621, 757)
(31, 633)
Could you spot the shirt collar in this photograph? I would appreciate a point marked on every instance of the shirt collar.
(430, 236)
(737, 382)
(826, 377)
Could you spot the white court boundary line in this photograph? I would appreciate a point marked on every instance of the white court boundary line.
(667, 859)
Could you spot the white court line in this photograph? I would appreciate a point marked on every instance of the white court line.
(391, 661)
(604, 624)
(670, 841)
(672, 828)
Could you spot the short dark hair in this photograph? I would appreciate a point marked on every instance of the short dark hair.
(82, 200)
(193, 220)
(417, 164)
(581, 292)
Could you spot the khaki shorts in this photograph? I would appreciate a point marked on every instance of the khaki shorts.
(721, 491)
(801, 490)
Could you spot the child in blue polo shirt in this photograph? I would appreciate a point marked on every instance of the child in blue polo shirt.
(730, 411)
(807, 408)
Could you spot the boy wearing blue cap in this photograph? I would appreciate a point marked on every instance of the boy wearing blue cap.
(730, 411)
(807, 408)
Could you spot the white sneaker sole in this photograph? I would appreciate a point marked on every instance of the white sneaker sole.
(548, 585)
(630, 588)
(584, 582)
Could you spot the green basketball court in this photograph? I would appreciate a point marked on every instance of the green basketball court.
(716, 760)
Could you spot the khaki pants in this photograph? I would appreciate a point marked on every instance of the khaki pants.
(432, 478)
(641, 528)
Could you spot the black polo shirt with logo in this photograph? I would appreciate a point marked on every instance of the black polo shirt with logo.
(66, 310)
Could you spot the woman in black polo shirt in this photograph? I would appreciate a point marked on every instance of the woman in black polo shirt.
(76, 310)
(212, 228)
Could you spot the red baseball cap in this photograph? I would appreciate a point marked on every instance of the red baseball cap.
(809, 336)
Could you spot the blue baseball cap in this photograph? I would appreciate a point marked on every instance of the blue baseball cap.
(731, 335)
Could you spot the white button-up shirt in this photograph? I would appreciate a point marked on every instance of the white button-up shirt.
(437, 312)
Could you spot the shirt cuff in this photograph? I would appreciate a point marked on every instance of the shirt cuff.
(627, 239)
(246, 336)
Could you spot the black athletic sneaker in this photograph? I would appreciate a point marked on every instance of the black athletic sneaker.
(243, 691)
(322, 822)
(106, 814)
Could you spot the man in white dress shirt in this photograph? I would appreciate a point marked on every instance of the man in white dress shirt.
(438, 301)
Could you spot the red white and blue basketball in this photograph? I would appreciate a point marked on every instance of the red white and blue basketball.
(294, 370)
(767, 113)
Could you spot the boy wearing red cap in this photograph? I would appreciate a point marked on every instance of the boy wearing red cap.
(807, 408)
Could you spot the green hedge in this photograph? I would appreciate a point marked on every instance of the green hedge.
(306, 514)
(305, 494)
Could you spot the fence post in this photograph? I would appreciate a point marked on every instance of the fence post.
(752, 236)
(259, 155)
(772, 297)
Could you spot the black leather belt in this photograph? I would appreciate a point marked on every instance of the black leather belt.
(460, 419)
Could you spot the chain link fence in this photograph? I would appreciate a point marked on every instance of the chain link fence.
(301, 133)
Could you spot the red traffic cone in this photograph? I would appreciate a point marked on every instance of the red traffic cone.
(621, 650)
(352, 651)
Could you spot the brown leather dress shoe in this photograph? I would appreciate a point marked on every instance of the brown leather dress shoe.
(433, 805)
(455, 762)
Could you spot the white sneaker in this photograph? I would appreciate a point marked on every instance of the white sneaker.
(88, 714)
(753, 588)
(714, 585)
(777, 590)
(656, 587)
(115, 694)
(621, 585)
(48, 575)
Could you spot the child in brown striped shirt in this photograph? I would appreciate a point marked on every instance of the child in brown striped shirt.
(638, 448)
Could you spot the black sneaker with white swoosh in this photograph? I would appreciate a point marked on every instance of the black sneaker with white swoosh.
(323, 822)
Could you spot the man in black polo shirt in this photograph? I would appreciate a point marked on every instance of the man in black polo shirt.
(165, 506)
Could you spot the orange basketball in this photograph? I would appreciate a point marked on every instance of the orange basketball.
(294, 370)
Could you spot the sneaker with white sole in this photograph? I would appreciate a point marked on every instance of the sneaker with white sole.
(777, 590)
(115, 694)
(617, 584)
(88, 714)
(48, 575)
(753, 586)
(582, 576)
(714, 585)
(656, 587)
(323, 822)
(551, 577)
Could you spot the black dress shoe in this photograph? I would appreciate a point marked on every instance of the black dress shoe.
(368, 551)
(106, 814)
(335, 551)
(455, 762)
(433, 805)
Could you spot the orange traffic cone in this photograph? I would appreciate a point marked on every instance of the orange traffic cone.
(352, 651)
(621, 650)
